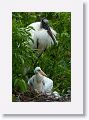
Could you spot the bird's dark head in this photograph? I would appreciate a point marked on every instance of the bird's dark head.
(44, 23)
(44, 20)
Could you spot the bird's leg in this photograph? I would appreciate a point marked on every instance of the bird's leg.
(37, 43)
(39, 55)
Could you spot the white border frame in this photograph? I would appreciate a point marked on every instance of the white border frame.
(76, 104)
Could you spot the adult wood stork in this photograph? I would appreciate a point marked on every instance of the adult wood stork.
(42, 34)
(40, 83)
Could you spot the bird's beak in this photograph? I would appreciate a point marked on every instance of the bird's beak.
(42, 73)
(51, 35)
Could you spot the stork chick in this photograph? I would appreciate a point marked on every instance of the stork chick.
(40, 83)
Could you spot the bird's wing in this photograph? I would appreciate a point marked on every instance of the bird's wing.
(35, 25)
(48, 84)
(31, 80)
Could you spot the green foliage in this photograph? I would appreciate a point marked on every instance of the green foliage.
(55, 61)
(20, 85)
(22, 55)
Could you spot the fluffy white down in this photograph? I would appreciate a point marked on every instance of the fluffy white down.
(48, 85)
(41, 84)
(35, 83)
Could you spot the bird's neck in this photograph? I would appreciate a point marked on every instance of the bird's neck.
(44, 26)
(39, 77)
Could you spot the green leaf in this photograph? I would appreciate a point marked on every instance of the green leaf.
(16, 82)
(22, 85)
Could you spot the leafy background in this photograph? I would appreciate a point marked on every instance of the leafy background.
(55, 61)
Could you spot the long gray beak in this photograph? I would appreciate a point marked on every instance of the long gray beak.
(42, 73)
(51, 35)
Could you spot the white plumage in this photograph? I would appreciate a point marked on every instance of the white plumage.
(40, 83)
(41, 35)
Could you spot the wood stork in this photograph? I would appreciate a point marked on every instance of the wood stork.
(40, 83)
(42, 34)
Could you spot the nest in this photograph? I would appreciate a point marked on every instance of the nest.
(34, 97)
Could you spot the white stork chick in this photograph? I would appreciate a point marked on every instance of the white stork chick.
(40, 83)
(43, 36)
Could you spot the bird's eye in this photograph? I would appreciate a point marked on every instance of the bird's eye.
(38, 70)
